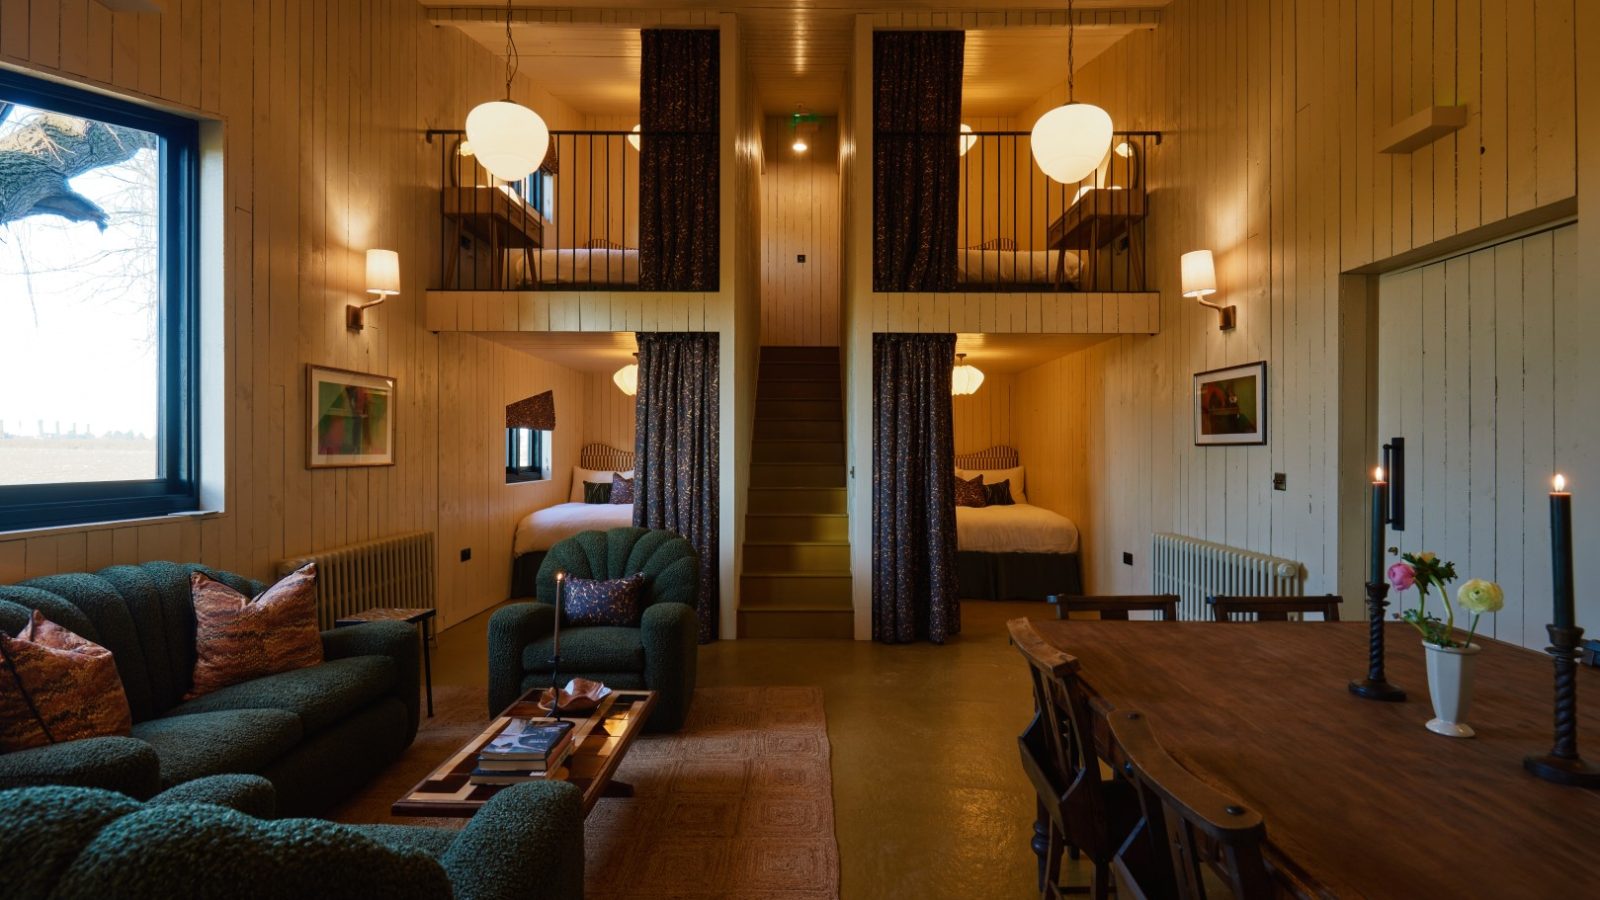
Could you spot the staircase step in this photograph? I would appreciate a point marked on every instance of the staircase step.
(776, 622)
(808, 429)
(798, 527)
(831, 557)
(796, 475)
(821, 410)
(788, 588)
(792, 451)
(801, 354)
(797, 390)
(799, 371)
(798, 500)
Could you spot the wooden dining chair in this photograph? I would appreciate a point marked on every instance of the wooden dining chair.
(1116, 607)
(1228, 608)
(1078, 807)
(1202, 830)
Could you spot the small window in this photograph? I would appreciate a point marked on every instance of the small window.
(98, 307)
(540, 191)
(527, 455)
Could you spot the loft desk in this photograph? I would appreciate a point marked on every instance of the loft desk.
(498, 218)
(1098, 217)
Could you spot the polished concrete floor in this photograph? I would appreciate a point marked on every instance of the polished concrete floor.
(929, 797)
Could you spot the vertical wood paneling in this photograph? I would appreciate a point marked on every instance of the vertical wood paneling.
(800, 215)
(608, 412)
(984, 419)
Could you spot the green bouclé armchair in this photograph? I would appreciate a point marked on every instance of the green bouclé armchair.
(214, 838)
(659, 655)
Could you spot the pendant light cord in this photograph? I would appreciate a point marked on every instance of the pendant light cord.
(511, 52)
(1072, 28)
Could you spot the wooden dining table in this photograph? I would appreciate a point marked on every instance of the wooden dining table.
(1359, 799)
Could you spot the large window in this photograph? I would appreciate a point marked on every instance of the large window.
(98, 354)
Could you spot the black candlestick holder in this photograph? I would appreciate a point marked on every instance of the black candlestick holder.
(555, 687)
(1562, 764)
(1375, 686)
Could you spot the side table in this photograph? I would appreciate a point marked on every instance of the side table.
(419, 617)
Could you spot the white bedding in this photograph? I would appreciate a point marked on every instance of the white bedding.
(1012, 266)
(589, 267)
(541, 529)
(1019, 528)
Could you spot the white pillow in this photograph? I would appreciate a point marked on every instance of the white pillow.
(995, 476)
(595, 476)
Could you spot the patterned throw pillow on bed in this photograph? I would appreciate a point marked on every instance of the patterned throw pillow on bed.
(998, 494)
(240, 639)
(971, 493)
(621, 490)
(56, 686)
(587, 601)
(596, 492)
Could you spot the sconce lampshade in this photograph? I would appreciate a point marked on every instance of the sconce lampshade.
(383, 273)
(965, 379)
(1199, 273)
(1070, 141)
(633, 139)
(508, 138)
(627, 379)
(967, 138)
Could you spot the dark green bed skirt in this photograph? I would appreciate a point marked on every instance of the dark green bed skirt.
(1017, 576)
(525, 574)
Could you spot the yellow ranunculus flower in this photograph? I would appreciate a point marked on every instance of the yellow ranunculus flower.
(1481, 596)
(1427, 556)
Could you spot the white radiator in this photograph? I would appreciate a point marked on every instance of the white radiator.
(388, 572)
(1195, 569)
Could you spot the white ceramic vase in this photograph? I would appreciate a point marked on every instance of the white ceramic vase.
(1450, 686)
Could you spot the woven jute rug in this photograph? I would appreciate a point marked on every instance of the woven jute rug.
(737, 805)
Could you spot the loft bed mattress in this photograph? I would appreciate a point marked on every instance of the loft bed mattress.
(542, 529)
(1019, 528)
(585, 267)
(1009, 267)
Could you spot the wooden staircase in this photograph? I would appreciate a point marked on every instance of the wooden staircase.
(796, 581)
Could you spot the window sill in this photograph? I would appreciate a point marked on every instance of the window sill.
(54, 530)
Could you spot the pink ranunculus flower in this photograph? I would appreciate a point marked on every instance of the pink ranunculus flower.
(1402, 576)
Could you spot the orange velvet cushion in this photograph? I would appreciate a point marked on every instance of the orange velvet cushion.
(56, 686)
(238, 639)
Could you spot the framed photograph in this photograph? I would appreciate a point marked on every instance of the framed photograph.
(1230, 405)
(351, 418)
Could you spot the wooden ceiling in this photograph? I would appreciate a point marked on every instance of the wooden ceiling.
(584, 351)
(1020, 352)
(798, 50)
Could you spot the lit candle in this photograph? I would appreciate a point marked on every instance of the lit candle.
(561, 584)
(1380, 516)
(1561, 550)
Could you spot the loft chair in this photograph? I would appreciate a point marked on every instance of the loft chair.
(1229, 608)
(1116, 607)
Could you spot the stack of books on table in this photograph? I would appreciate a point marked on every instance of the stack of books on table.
(525, 750)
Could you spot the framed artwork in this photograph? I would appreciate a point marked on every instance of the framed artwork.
(351, 418)
(1230, 405)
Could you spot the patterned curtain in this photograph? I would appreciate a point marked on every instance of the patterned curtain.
(679, 204)
(675, 450)
(916, 173)
(913, 489)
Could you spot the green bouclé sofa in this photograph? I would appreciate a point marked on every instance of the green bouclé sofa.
(213, 838)
(317, 734)
(659, 655)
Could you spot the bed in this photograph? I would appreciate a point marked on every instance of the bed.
(1009, 269)
(1014, 552)
(580, 268)
(542, 529)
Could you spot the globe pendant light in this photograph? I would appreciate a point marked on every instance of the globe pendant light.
(1070, 141)
(509, 139)
(627, 378)
(965, 379)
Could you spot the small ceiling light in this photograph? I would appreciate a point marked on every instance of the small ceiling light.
(1199, 276)
(383, 282)
(633, 139)
(1070, 141)
(964, 379)
(967, 138)
(805, 126)
(800, 145)
(508, 138)
(627, 378)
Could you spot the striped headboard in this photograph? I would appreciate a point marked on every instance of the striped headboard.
(605, 457)
(996, 457)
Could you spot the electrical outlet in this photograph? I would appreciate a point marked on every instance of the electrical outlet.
(1280, 481)
(466, 553)
(1127, 559)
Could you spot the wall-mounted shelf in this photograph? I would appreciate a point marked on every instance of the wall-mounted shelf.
(1423, 128)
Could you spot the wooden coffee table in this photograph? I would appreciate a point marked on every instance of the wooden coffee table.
(603, 737)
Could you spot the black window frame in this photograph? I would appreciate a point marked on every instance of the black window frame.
(515, 437)
(177, 486)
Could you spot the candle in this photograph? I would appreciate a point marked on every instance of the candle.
(1561, 551)
(1380, 516)
(561, 583)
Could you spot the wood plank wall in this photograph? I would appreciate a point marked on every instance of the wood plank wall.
(322, 106)
(984, 419)
(1270, 112)
(800, 215)
(1500, 336)
(608, 412)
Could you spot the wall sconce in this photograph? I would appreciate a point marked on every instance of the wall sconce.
(383, 282)
(1200, 281)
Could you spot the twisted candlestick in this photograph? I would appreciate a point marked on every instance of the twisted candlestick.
(1562, 764)
(1375, 686)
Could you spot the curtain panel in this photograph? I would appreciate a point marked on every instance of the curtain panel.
(914, 595)
(676, 417)
(916, 172)
(679, 199)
